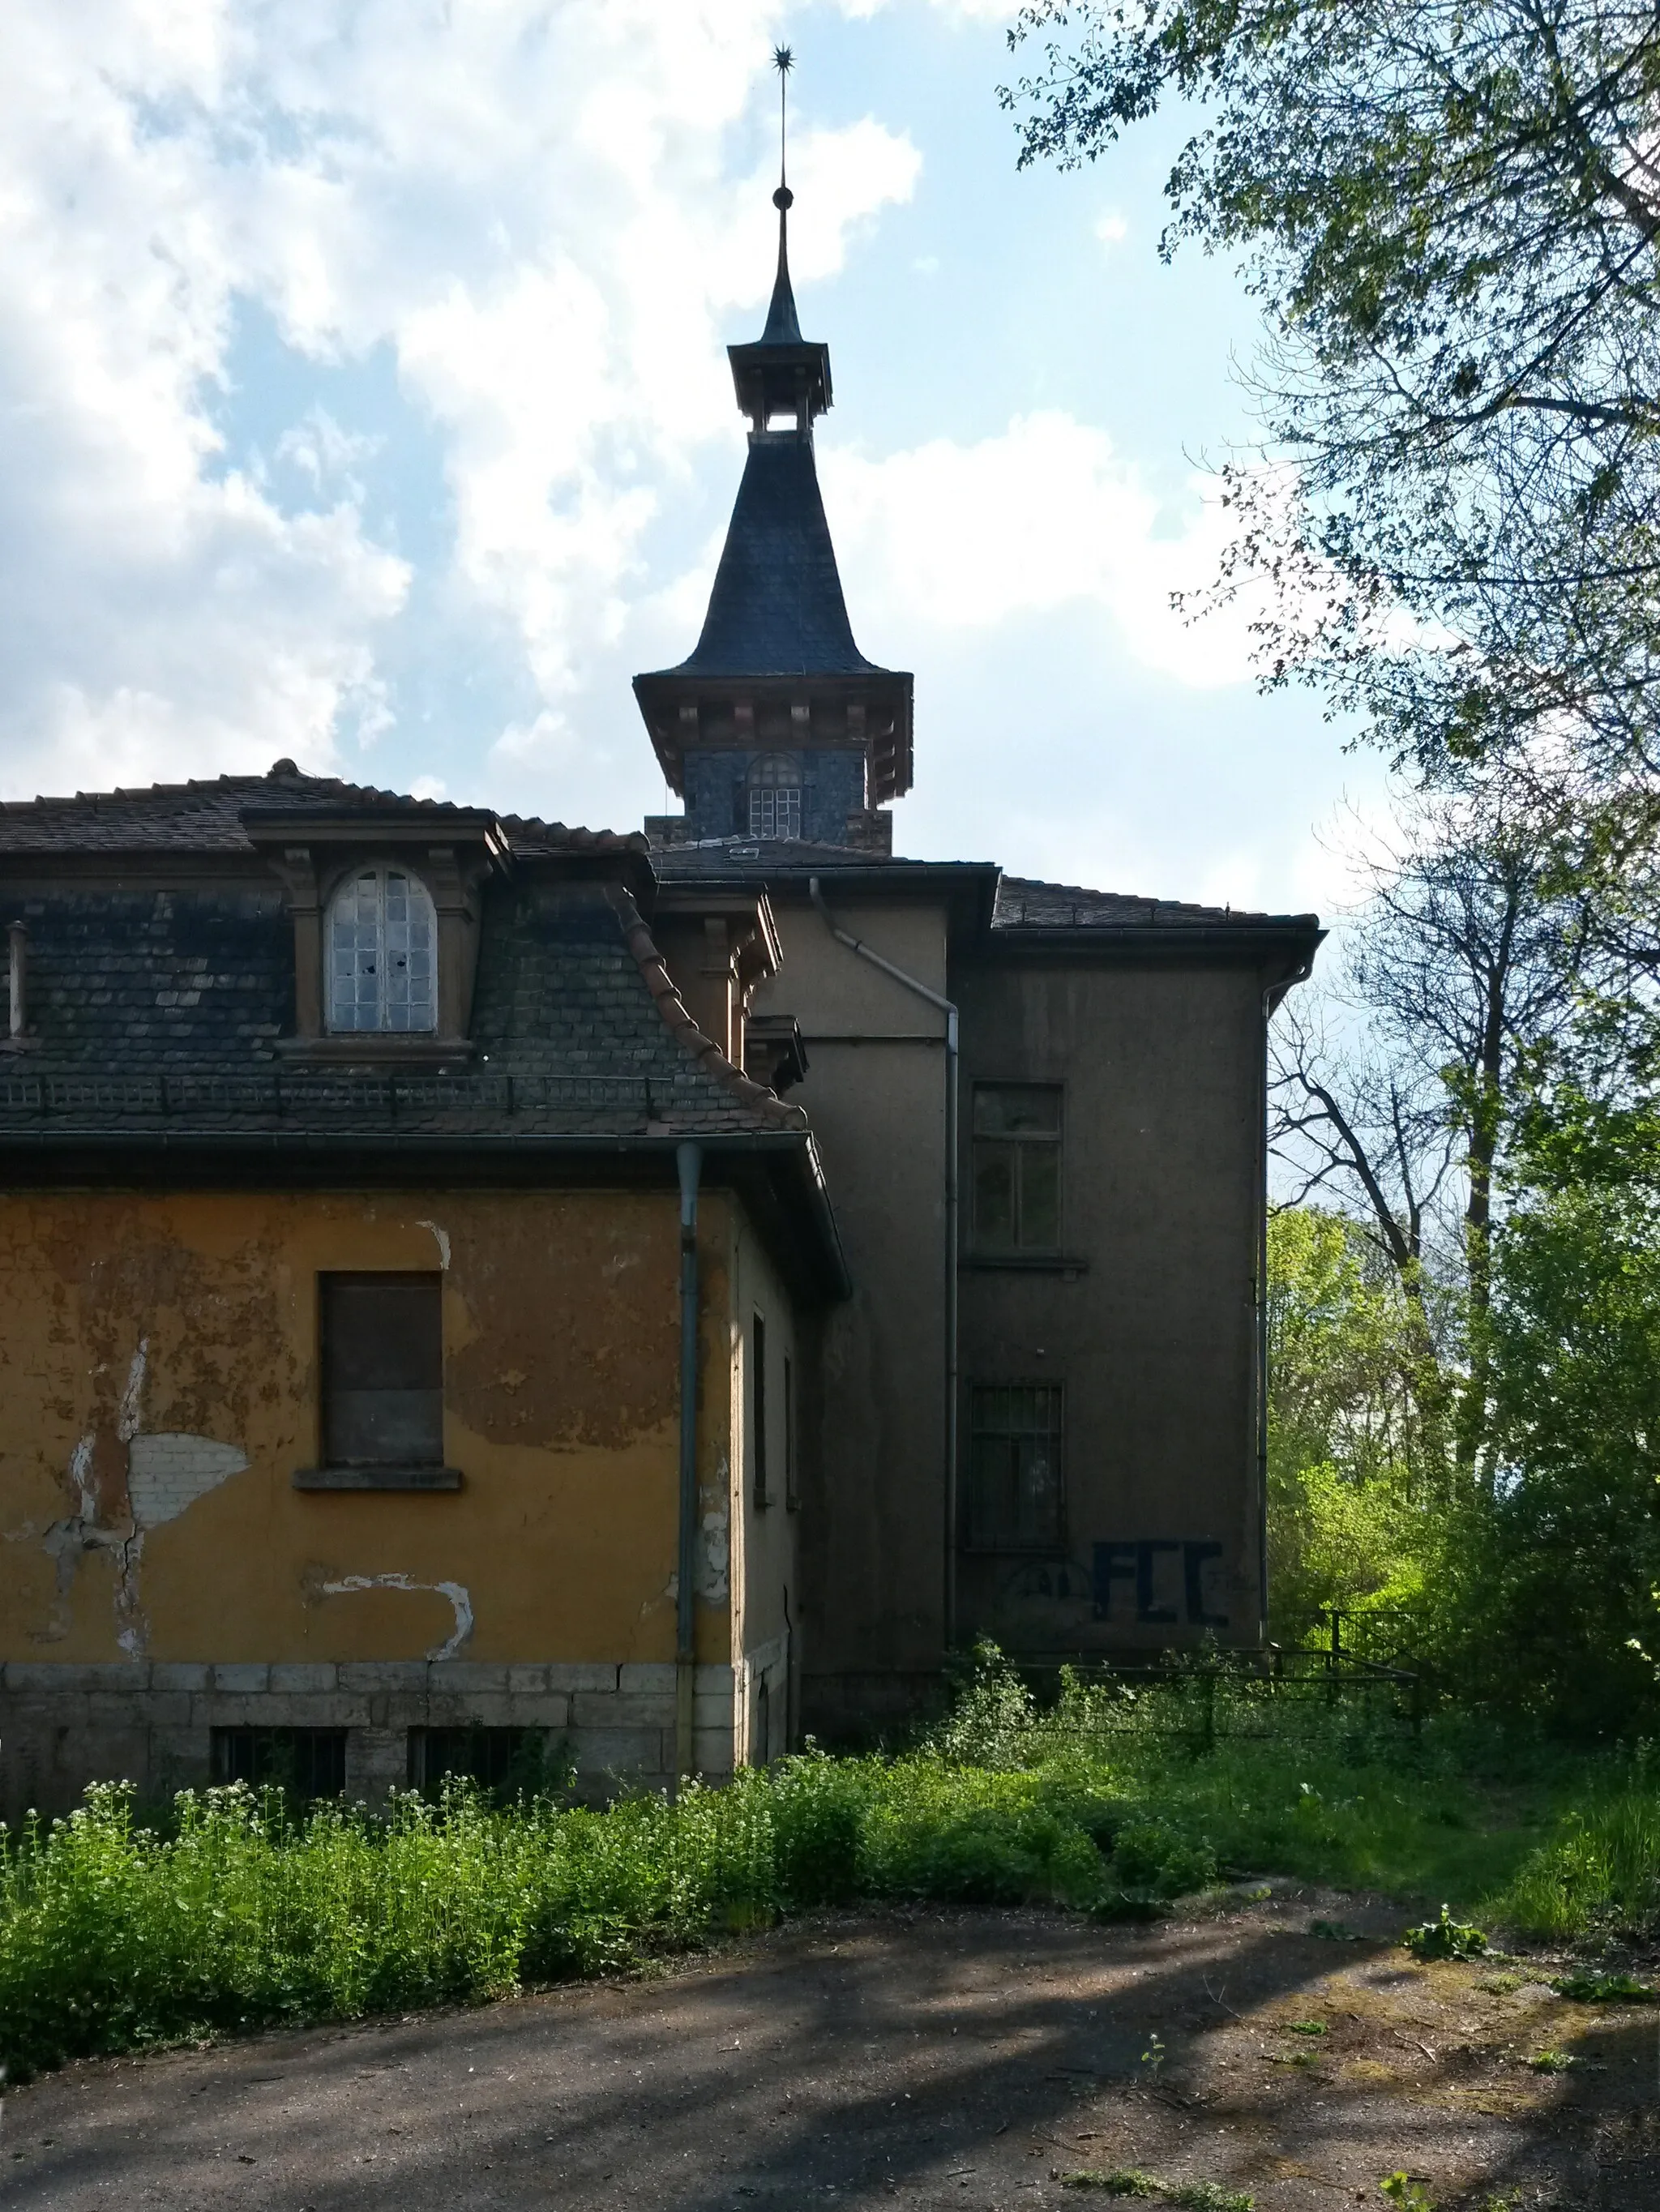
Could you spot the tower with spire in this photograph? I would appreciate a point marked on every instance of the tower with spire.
(776, 726)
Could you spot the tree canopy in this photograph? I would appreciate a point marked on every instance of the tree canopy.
(1450, 211)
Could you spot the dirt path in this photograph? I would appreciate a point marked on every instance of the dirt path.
(960, 2059)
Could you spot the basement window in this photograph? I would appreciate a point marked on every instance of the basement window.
(302, 1762)
(383, 1371)
(1015, 1501)
(503, 1762)
(1017, 1167)
(382, 954)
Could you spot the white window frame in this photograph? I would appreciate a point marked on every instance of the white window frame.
(774, 782)
(384, 936)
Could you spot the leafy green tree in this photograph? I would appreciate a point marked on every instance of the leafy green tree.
(1551, 1585)
(1344, 1424)
(1450, 212)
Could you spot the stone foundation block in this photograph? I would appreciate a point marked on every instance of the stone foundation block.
(588, 1711)
(369, 1676)
(179, 1674)
(619, 1751)
(241, 1676)
(305, 1675)
(468, 1675)
(574, 1674)
(647, 1677)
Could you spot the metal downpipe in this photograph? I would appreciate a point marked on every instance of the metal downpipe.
(689, 1163)
(948, 1008)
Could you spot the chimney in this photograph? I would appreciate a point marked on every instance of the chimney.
(19, 936)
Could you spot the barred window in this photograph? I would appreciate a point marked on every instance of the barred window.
(1017, 1167)
(382, 954)
(503, 1762)
(776, 796)
(305, 1762)
(1015, 1500)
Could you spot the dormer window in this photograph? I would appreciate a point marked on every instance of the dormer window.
(776, 796)
(381, 961)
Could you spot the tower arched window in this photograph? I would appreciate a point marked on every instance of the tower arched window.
(382, 953)
(776, 796)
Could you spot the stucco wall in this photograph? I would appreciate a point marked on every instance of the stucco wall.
(1152, 1329)
(158, 1366)
(874, 1436)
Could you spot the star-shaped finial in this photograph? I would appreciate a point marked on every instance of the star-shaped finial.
(783, 60)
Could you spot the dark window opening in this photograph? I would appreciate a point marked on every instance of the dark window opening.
(792, 1491)
(1015, 1500)
(383, 1369)
(759, 1407)
(1017, 1167)
(303, 1762)
(503, 1762)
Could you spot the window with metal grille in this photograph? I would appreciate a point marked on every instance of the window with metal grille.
(306, 1762)
(776, 796)
(383, 1369)
(382, 954)
(503, 1761)
(1015, 1500)
(759, 1408)
(1017, 1167)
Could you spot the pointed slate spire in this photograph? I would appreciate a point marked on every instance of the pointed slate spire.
(776, 675)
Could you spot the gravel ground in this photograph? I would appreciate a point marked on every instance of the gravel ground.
(952, 2059)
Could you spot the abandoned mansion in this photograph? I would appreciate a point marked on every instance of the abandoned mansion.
(474, 1290)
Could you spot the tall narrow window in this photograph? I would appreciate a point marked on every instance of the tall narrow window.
(1017, 1167)
(776, 796)
(382, 954)
(792, 1491)
(1014, 1501)
(759, 1407)
(383, 1371)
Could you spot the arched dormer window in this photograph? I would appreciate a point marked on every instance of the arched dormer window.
(382, 955)
(776, 796)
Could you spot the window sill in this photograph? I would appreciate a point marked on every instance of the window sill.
(1029, 1263)
(377, 1478)
(377, 1047)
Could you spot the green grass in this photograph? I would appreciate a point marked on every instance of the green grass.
(226, 1913)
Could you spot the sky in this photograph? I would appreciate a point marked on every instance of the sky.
(363, 400)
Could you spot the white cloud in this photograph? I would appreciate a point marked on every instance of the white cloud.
(1111, 228)
(533, 214)
(1045, 515)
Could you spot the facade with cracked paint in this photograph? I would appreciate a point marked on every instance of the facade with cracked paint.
(471, 1290)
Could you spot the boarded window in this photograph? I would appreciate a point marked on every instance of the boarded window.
(1015, 1502)
(1017, 1167)
(382, 954)
(505, 1762)
(305, 1762)
(383, 1371)
(759, 1407)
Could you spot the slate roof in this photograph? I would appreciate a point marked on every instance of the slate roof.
(1019, 903)
(205, 817)
(170, 1001)
(1022, 903)
(777, 608)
